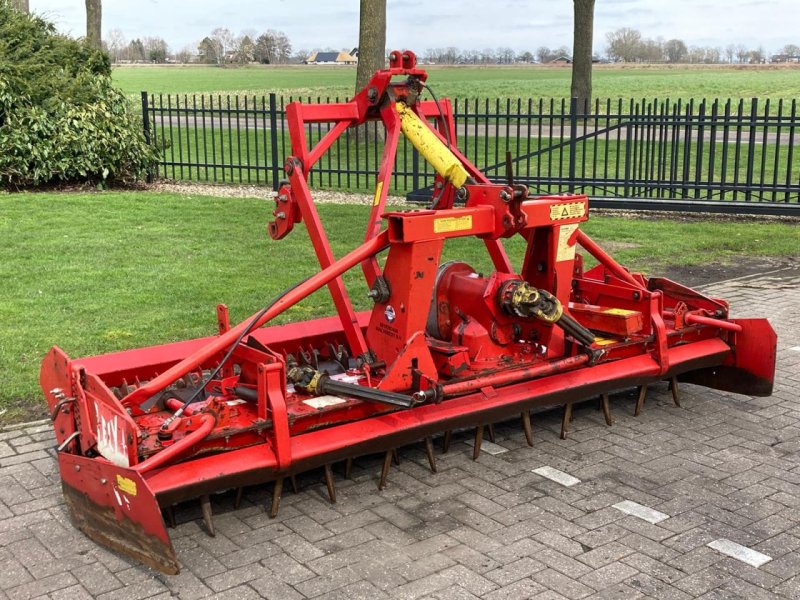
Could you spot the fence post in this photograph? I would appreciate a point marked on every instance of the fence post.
(146, 126)
(751, 150)
(273, 136)
(573, 143)
(414, 169)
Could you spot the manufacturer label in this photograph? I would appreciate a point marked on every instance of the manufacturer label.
(126, 486)
(566, 242)
(567, 211)
(446, 224)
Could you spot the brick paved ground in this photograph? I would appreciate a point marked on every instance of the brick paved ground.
(722, 467)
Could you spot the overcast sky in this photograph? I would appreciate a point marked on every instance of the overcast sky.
(466, 24)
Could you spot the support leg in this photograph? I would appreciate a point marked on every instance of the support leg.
(429, 453)
(205, 506)
(330, 484)
(277, 490)
(565, 419)
(606, 409)
(476, 449)
(526, 427)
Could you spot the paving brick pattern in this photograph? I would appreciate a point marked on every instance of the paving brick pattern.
(722, 467)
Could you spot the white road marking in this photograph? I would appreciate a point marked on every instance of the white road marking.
(643, 512)
(552, 474)
(795, 348)
(488, 447)
(754, 558)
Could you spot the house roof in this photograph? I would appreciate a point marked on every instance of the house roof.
(331, 57)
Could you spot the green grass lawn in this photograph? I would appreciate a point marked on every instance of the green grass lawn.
(530, 81)
(107, 271)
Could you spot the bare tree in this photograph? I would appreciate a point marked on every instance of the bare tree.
(582, 31)
(117, 44)
(730, 52)
(94, 23)
(21, 5)
(675, 51)
(371, 40)
(222, 38)
(623, 44)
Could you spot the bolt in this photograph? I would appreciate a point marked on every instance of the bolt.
(636, 295)
(103, 481)
(77, 467)
(281, 215)
(283, 198)
(504, 196)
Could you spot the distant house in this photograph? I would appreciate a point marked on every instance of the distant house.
(784, 58)
(331, 58)
(561, 60)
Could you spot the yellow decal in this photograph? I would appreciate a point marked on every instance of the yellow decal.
(566, 249)
(446, 224)
(567, 211)
(618, 311)
(126, 486)
(598, 341)
(378, 191)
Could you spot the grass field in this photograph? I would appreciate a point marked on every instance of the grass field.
(100, 272)
(531, 81)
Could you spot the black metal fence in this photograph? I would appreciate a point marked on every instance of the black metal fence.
(715, 155)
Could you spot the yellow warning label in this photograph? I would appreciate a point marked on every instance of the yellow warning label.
(618, 311)
(567, 211)
(598, 341)
(378, 190)
(566, 249)
(126, 486)
(446, 224)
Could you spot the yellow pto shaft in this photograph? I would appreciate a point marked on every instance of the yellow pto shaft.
(431, 147)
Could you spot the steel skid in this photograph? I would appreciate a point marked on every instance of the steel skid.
(442, 348)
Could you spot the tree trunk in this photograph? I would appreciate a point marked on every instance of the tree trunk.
(371, 40)
(94, 21)
(21, 5)
(582, 54)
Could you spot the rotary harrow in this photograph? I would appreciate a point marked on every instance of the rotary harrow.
(442, 348)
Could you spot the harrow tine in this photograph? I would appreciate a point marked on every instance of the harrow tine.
(566, 417)
(476, 449)
(237, 502)
(429, 453)
(293, 481)
(395, 456)
(606, 410)
(673, 387)
(640, 400)
(330, 484)
(387, 463)
(205, 506)
(348, 468)
(526, 427)
(277, 490)
(169, 516)
(490, 431)
(448, 437)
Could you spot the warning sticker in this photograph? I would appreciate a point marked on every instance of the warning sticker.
(126, 486)
(323, 401)
(618, 311)
(378, 190)
(599, 341)
(567, 211)
(447, 224)
(566, 245)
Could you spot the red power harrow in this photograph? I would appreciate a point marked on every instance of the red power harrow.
(443, 347)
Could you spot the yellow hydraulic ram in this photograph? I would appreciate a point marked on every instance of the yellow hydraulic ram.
(431, 147)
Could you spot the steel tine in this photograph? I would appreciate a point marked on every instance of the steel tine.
(448, 437)
(277, 490)
(169, 514)
(293, 481)
(526, 427)
(606, 409)
(396, 456)
(429, 453)
(205, 507)
(330, 484)
(640, 400)
(237, 502)
(490, 431)
(348, 468)
(476, 449)
(387, 463)
(565, 419)
(673, 387)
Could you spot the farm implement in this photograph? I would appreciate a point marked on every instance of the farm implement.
(442, 348)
